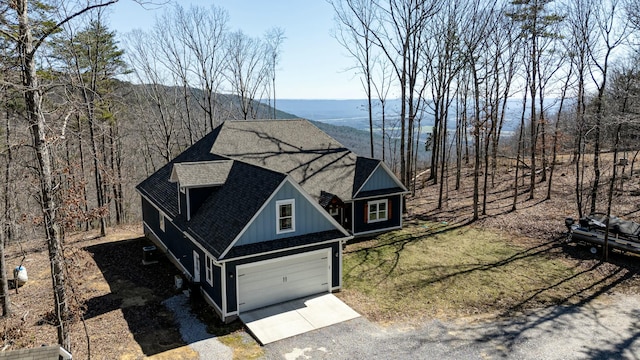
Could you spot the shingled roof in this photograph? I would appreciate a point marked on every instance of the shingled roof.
(160, 190)
(251, 159)
(229, 209)
(314, 160)
(201, 173)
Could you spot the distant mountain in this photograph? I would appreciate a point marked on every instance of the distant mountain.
(353, 113)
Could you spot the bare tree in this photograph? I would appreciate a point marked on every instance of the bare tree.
(611, 35)
(274, 38)
(577, 43)
(21, 32)
(247, 72)
(356, 21)
(442, 53)
(536, 21)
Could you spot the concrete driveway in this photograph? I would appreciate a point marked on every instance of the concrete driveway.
(296, 317)
(604, 328)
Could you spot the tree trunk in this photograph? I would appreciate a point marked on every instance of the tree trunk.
(4, 281)
(37, 127)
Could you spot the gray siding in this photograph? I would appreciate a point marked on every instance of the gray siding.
(308, 219)
(380, 179)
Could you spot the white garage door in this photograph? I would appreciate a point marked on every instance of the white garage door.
(273, 281)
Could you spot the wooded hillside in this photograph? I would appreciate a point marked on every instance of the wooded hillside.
(76, 135)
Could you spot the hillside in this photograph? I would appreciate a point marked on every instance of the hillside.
(122, 301)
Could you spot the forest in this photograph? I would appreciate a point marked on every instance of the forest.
(85, 116)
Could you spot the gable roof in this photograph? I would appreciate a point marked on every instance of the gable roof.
(314, 160)
(163, 193)
(201, 173)
(253, 159)
(227, 211)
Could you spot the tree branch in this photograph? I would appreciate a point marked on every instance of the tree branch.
(67, 19)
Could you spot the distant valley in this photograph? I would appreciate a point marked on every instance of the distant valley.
(339, 118)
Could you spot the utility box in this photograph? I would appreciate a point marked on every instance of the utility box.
(149, 255)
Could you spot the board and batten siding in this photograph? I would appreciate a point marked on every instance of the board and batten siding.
(308, 219)
(380, 179)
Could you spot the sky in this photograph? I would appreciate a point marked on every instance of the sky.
(313, 64)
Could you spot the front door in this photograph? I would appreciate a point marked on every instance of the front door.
(196, 267)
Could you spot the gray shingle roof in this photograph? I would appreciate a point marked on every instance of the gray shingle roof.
(251, 159)
(315, 160)
(229, 209)
(163, 193)
(201, 173)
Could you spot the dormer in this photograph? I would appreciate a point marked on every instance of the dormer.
(196, 181)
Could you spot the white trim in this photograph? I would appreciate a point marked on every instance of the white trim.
(180, 191)
(280, 203)
(196, 266)
(208, 269)
(253, 218)
(388, 171)
(154, 206)
(63, 353)
(223, 284)
(381, 195)
(401, 208)
(199, 246)
(184, 232)
(211, 302)
(287, 249)
(320, 209)
(188, 197)
(339, 269)
(161, 224)
(288, 179)
(175, 261)
(274, 260)
(353, 217)
(378, 211)
(377, 231)
(334, 211)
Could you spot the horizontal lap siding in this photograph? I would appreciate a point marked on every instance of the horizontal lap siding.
(359, 221)
(181, 248)
(231, 269)
(215, 291)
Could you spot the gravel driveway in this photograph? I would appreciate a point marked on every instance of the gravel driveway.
(606, 328)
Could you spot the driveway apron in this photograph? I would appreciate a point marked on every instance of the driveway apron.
(296, 317)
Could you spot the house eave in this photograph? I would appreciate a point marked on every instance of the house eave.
(342, 239)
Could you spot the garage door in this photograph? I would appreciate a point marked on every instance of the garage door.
(291, 277)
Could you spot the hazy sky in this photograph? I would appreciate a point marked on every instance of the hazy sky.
(313, 65)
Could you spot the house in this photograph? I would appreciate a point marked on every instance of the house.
(256, 212)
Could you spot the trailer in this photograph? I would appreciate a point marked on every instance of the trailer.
(624, 235)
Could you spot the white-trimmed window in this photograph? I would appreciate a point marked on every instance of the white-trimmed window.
(377, 211)
(161, 221)
(334, 211)
(285, 216)
(209, 269)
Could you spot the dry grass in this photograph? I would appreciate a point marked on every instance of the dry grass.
(443, 265)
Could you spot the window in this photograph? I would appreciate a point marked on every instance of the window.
(334, 211)
(377, 211)
(286, 221)
(161, 221)
(209, 269)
